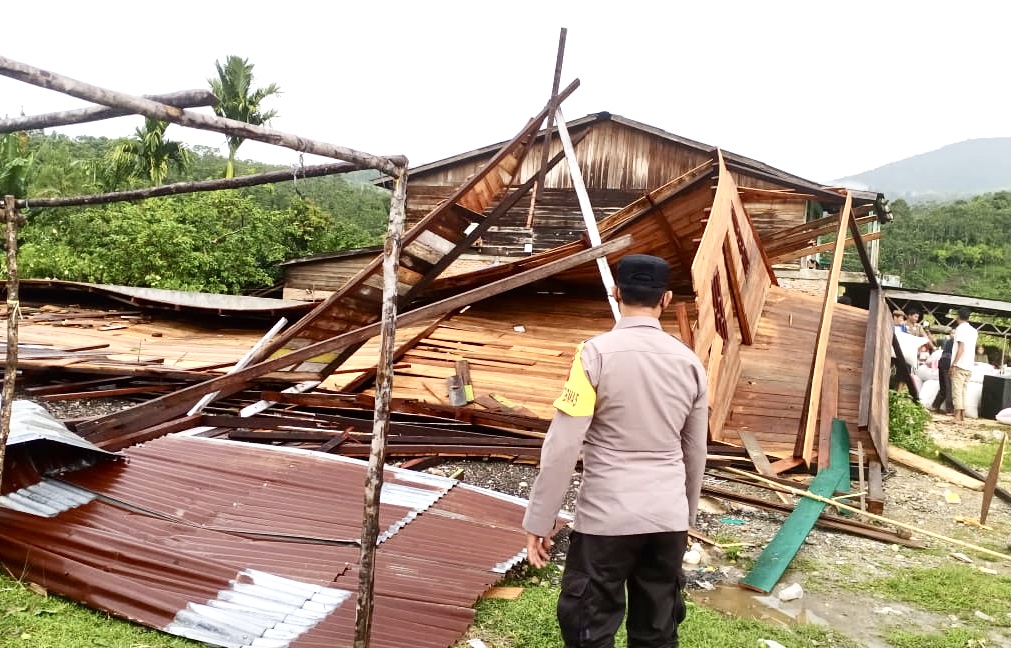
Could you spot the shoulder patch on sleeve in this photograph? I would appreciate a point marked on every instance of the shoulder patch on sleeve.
(578, 397)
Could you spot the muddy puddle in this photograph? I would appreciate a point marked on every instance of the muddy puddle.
(746, 604)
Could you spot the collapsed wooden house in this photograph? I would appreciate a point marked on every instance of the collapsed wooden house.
(620, 160)
(782, 364)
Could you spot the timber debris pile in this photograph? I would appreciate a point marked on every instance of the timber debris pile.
(241, 448)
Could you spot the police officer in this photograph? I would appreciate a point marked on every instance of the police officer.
(635, 404)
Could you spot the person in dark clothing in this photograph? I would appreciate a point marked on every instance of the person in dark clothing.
(944, 378)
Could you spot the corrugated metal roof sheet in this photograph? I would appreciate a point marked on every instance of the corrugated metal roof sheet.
(32, 422)
(216, 540)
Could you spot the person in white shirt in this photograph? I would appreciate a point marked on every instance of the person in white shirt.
(962, 361)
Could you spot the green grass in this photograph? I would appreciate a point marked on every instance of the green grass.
(30, 620)
(529, 622)
(950, 638)
(948, 589)
(980, 455)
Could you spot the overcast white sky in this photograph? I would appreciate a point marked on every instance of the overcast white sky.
(822, 89)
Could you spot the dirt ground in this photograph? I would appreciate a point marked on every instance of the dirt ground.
(830, 565)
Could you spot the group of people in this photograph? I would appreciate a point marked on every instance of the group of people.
(954, 357)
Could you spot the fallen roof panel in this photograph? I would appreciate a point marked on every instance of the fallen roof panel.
(189, 535)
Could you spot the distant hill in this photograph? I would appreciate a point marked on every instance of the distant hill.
(955, 171)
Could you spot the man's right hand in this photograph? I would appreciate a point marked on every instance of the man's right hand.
(538, 550)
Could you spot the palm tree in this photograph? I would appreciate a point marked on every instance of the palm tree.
(149, 155)
(236, 100)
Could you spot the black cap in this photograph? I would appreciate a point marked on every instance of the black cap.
(643, 270)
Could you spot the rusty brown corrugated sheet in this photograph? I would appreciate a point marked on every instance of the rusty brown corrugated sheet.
(209, 538)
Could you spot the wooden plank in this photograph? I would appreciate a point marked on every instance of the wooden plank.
(827, 521)
(165, 407)
(805, 441)
(782, 257)
(875, 488)
(758, 458)
(926, 466)
(684, 324)
(736, 295)
(991, 479)
(785, 464)
(968, 470)
(109, 393)
(829, 410)
(865, 261)
(870, 345)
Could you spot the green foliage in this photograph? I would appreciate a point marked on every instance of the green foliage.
(959, 247)
(949, 638)
(949, 589)
(212, 242)
(529, 622)
(149, 155)
(222, 241)
(15, 164)
(980, 455)
(907, 425)
(238, 100)
(34, 621)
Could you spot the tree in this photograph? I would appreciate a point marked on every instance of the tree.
(15, 163)
(236, 100)
(149, 154)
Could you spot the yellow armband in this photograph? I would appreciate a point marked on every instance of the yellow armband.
(578, 397)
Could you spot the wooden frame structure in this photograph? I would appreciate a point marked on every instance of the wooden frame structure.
(112, 104)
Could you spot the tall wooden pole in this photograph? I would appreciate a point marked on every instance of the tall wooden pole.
(381, 420)
(156, 110)
(13, 312)
(546, 144)
(584, 206)
(181, 99)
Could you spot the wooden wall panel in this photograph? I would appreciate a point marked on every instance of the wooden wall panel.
(769, 395)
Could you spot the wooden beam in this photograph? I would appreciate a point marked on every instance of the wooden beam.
(871, 341)
(829, 410)
(109, 393)
(11, 218)
(827, 521)
(928, 467)
(875, 488)
(381, 418)
(736, 292)
(858, 241)
(761, 461)
(761, 246)
(902, 525)
(801, 234)
(251, 180)
(180, 99)
(968, 470)
(589, 218)
(991, 479)
(363, 381)
(548, 125)
(155, 110)
(780, 257)
(805, 440)
(684, 324)
(500, 210)
(656, 211)
(165, 407)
